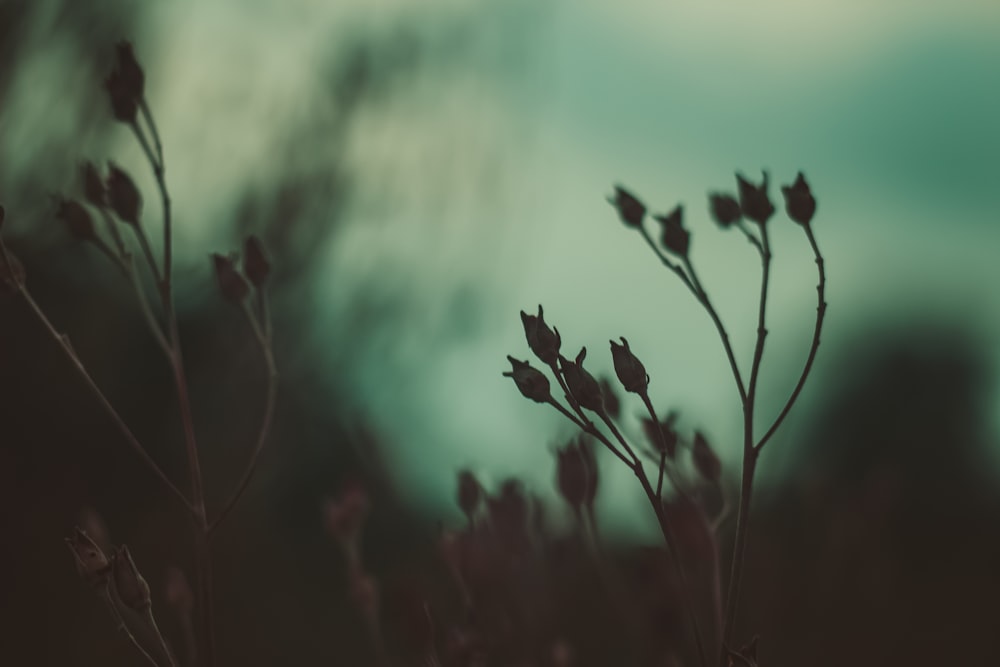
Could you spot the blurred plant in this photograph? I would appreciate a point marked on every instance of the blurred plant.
(118, 202)
(687, 532)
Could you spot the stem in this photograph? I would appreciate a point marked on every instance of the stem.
(64, 344)
(666, 260)
(663, 452)
(106, 596)
(151, 621)
(264, 340)
(669, 538)
(702, 297)
(758, 353)
(820, 314)
(739, 550)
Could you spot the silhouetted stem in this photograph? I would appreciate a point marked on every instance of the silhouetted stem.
(63, 343)
(663, 452)
(702, 296)
(666, 260)
(751, 237)
(669, 538)
(588, 427)
(151, 621)
(105, 595)
(263, 339)
(817, 330)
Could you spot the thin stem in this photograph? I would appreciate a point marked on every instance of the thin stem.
(64, 344)
(669, 538)
(663, 452)
(659, 476)
(758, 353)
(702, 296)
(666, 260)
(123, 627)
(272, 374)
(751, 237)
(151, 621)
(588, 427)
(820, 314)
(158, 166)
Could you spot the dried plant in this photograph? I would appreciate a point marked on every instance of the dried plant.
(122, 237)
(748, 212)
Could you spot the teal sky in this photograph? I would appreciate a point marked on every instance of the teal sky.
(480, 166)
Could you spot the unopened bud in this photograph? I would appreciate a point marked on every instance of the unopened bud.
(705, 459)
(581, 383)
(93, 187)
(754, 201)
(130, 585)
(631, 373)
(531, 382)
(675, 238)
(77, 220)
(123, 195)
(799, 201)
(725, 209)
(630, 209)
(233, 286)
(255, 263)
(542, 340)
(125, 84)
(91, 563)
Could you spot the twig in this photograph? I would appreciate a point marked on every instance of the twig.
(820, 314)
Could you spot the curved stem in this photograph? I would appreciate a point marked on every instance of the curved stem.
(272, 374)
(817, 330)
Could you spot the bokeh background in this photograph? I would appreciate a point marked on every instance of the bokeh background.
(424, 171)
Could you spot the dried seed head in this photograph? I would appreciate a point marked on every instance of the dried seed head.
(531, 382)
(130, 585)
(581, 383)
(91, 563)
(754, 201)
(799, 201)
(123, 195)
(675, 238)
(131, 71)
(233, 286)
(542, 340)
(631, 373)
(125, 84)
(93, 187)
(77, 220)
(630, 209)
(576, 474)
(724, 208)
(255, 263)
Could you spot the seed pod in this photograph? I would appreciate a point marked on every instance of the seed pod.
(123, 196)
(530, 381)
(581, 383)
(799, 201)
(576, 474)
(125, 84)
(542, 340)
(630, 209)
(91, 562)
(675, 238)
(93, 187)
(470, 493)
(705, 459)
(130, 585)
(754, 201)
(631, 373)
(724, 208)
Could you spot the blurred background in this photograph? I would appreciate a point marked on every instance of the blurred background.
(421, 172)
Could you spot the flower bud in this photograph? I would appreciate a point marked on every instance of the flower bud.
(125, 84)
(93, 187)
(725, 209)
(631, 373)
(255, 263)
(631, 210)
(130, 585)
(675, 238)
(542, 340)
(77, 220)
(233, 286)
(470, 493)
(123, 196)
(754, 201)
(91, 562)
(705, 459)
(581, 383)
(530, 381)
(799, 201)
